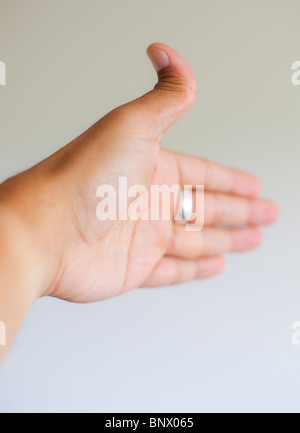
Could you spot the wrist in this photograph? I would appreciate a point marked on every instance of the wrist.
(21, 264)
(29, 234)
(21, 273)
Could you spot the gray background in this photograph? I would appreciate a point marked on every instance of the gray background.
(217, 345)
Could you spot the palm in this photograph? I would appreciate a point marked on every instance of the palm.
(106, 259)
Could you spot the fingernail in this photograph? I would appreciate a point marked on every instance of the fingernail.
(159, 58)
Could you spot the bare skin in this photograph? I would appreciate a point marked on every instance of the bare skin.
(50, 233)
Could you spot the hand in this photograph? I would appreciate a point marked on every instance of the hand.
(86, 260)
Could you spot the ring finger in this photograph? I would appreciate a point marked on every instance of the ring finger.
(227, 210)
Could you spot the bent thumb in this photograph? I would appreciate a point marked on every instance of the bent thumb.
(173, 95)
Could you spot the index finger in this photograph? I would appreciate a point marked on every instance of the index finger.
(215, 177)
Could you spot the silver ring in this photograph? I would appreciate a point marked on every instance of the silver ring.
(186, 206)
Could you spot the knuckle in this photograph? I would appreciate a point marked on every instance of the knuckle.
(219, 210)
(177, 274)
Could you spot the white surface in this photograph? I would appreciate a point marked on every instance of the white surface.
(218, 345)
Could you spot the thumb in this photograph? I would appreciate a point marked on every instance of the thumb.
(173, 95)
